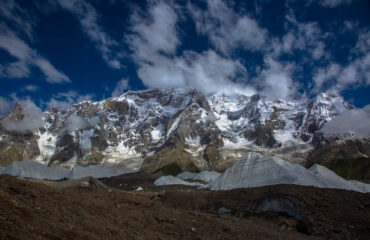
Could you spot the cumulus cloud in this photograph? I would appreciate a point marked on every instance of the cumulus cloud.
(75, 123)
(64, 100)
(5, 105)
(356, 121)
(154, 42)
(18, 17)
(30, 120)
(333, 3)
(276, 80)
(226, 29)
(26, 58)
(207, 72)
(323, 75)
(304, 36)
(120, 87)
(336, 78)
(89, 20)
(31, 88)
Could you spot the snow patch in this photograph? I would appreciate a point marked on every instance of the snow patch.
(156, 133)
(47, 146)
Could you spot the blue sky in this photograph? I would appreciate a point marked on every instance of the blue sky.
(61, 52)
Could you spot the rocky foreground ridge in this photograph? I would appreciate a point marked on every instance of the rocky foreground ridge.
(172, 130)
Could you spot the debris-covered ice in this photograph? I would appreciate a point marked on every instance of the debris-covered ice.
(2, 169)
(171, 180)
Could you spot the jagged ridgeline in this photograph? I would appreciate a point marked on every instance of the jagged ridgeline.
(172, 130)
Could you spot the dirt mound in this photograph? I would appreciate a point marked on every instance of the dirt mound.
(31, 210)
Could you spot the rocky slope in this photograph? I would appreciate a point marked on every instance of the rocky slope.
(31, 209)
(171, 130)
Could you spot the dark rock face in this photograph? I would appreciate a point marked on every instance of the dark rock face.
(349, 158)
(15, 146)
(169, 130)
(66, 149)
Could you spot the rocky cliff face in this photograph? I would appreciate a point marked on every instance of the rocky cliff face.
(171, 130)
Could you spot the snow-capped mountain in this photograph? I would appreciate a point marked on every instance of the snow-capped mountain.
(160, 130)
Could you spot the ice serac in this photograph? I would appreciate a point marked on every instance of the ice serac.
(169, 131)
(255, 170)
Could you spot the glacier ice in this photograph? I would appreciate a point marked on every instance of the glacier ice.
(96, 171)
(332, 180)
(255, 170)
(363, 186)
(186, 175)
(205, 176)
(32, 169)
(171, 180)
(36, 170)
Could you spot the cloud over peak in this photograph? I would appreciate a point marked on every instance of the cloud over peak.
(154, 42)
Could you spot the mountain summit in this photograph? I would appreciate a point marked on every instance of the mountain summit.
(171, 130)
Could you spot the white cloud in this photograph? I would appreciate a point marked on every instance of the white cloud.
(26, 57)
(333, 3)
(326, 74)
(120, 87)
(64, 100)
(75, 122)
(89, 18)
(5, 106)
(154, 42)
(31, 88)
(30, 121)
(356, 121)
(18, 16)
(303, 36)
(207, 72)
(336, 78)
(52, 74)
(276, 81)
(226, 29)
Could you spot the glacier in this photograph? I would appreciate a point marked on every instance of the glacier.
(255, 170)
